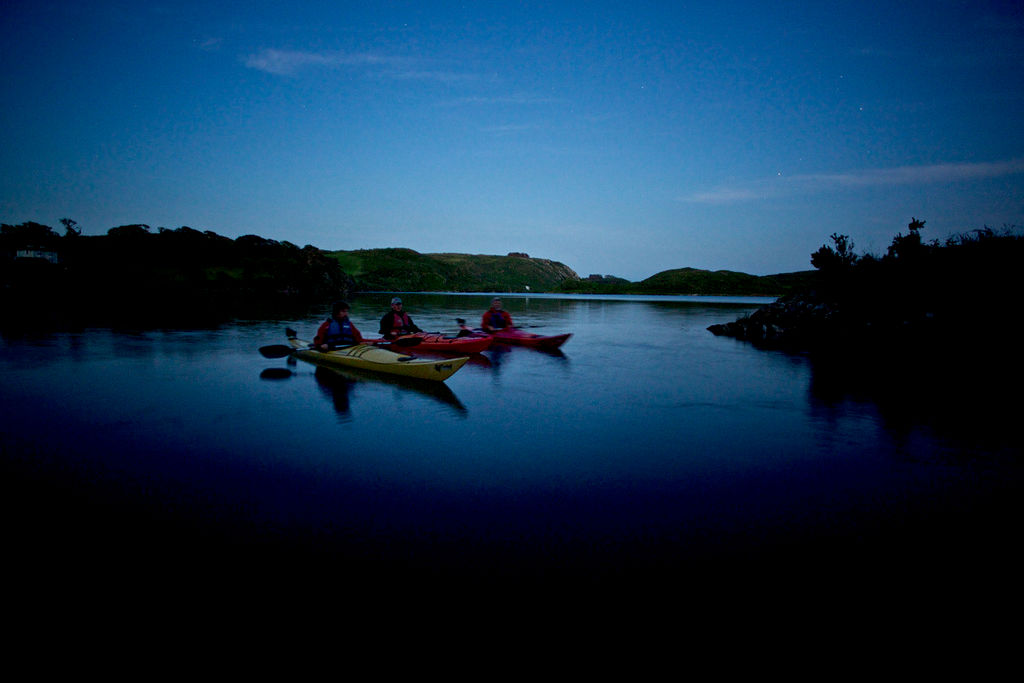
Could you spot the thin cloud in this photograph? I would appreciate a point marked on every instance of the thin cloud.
(291, 62)
(209, 44)
(782, 185)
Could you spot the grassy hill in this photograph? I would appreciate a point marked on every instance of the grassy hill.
(410, 271)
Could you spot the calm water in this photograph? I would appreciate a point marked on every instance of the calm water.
(646, 447)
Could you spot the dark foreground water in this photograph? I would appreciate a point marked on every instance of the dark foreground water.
(646, 453)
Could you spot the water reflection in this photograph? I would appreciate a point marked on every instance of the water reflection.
(503, 354)
(337, 387)
(340, 385)
(479, 360)
(476, 359)
(958, 402)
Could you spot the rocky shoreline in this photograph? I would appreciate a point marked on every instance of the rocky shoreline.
(809, 322)
(795, 321)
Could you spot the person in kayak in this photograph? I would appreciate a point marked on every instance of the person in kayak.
(337, 330)
(397, 322)
(495, 318)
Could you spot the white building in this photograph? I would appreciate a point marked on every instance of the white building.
(45, 254)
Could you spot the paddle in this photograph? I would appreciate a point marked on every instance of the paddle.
(401, 341)
(466, 331)
(281, 350)
(277, 351)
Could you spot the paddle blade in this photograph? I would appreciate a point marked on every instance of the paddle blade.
(407, 341)
(276, 351)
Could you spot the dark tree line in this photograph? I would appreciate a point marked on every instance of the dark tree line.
(180, 270)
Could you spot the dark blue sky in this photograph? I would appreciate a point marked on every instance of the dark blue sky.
(619, 138)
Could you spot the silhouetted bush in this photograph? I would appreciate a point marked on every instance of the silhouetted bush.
(919, 294)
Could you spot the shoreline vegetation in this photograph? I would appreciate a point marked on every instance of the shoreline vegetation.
(135, 274)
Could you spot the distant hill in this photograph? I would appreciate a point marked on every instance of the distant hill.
(406, 270)
(720, 282)
(693, 281)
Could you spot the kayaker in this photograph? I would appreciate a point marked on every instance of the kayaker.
(397, 322)
(337, 330)
(495, 318)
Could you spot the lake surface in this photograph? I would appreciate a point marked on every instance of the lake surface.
(647, 448)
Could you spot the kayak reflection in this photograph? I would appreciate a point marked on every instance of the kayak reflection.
(276, 373)
(479, 360)
(502, 354)
(338, 384)
(499, 353)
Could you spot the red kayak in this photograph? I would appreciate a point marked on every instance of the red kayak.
(517, 336)
(432, 341)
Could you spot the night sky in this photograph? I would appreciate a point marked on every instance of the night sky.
(618, 138)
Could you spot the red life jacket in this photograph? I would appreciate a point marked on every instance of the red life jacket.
(401, 320)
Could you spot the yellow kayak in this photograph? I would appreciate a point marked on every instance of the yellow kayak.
(375, 359)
